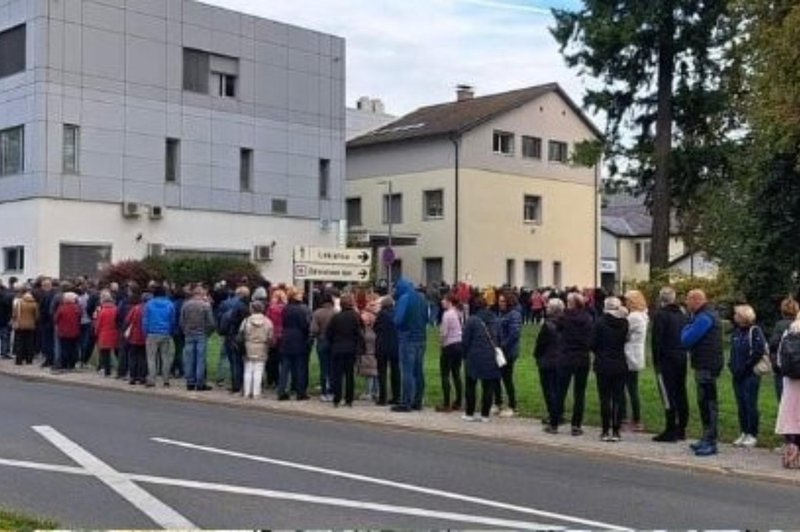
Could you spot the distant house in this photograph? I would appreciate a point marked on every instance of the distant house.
(481, 190)
(368, 115)
(626, 234)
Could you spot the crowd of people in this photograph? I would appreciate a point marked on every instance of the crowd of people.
(159, 333)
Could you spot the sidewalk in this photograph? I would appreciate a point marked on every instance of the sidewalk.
(759, 464)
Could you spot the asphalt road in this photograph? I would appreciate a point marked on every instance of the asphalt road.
(305, 473)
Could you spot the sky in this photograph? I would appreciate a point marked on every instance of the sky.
(411, 53)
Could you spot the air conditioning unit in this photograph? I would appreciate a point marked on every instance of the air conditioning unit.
(156, 250)
(131, 209)
(263, 253)
(156, 212)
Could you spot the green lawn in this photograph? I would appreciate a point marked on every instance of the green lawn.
(21, 523)
(531, 402)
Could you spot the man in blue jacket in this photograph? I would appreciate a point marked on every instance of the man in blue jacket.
(410, 317)
(702, 336)
(158, 321)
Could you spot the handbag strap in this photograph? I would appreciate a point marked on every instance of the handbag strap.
(488, 334)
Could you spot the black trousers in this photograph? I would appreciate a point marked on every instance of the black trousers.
(507, 382)
(488, 389)
(273, 367)
(672, 386)
(69, 352)
(123, 358)
(342, 367)
(707, 403)
(105, 361)
(24, 346)
(632, 389)
(566, 375)
(548, 378)
(177, 361)
(390, 366)
(611, 389)
(137, 357)
(450, 367)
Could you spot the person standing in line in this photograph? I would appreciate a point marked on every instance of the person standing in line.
(748, 345)
(702, 336)
(635, 355)
(256, 331)
(136, 338)
(548, 353)
(670, 362)
(452, 354)
(410, 320)
(231, 321)
(610, 366)
(386, 350)
(196, 323)
(158, 322)
(24, 317)
(789, 311)
(510, 332)
(45, 326)
(106, 332)
(787, 423)
(275, 314)
(320, 320)
(479, 339)
(6, 308)
(295, 347)
(67, 320)
(538, 304)
(367, 362)
(345, 338)
(577, 333)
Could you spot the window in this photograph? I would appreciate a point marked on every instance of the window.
(71, 148)
(557, 151)
(557, 274)
(393, 208)
(77, 260)
(210, 73)
(226, 85)
(196, 68)
(533, 273)
(172, 160)
(434, 270)
(503, 143)
(12, 151)
(532, 209)
(532, 147)
(14, 259)
(279, 206)
(12, 51)
(245, 169)
(353, 206)
(433, 204)
(324, 178)
(511, 272)
(643, 253)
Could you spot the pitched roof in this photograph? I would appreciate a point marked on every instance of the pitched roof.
(459, 117)
(628, 216)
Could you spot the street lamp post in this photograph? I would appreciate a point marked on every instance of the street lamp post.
(389, 222)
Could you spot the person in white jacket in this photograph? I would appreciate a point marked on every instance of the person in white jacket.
(635, 354)
(257, 335)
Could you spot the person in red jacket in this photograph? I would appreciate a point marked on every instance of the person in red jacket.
(137, 340)
(67, 320)
(105, 330)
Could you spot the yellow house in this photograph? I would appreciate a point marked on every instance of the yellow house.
(480, 190)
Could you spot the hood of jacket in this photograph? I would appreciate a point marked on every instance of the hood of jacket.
(28, 297)
(258, 320)
(404, 287)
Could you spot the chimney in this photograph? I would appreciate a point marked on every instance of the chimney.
(464, 92)
(363, 103)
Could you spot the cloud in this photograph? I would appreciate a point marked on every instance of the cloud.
(412, 53)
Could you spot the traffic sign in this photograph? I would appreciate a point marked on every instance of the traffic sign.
(388, 256)
(317, 255)
(304, 271)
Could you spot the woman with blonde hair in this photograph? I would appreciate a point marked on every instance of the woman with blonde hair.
(635, 354)
(748, 344)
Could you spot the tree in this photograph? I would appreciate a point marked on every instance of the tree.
(667, 139)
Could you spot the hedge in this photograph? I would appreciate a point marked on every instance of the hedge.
(183, 270)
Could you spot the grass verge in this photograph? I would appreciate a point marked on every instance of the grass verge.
(18, 522)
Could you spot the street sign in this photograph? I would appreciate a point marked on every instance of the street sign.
(327, 256)
(304, 271)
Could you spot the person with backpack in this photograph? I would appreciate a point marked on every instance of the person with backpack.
(748, 345)
(788, 421)
(789, 311)
(256, 335)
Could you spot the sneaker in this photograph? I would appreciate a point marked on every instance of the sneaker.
(485, 419)
(402, 409)
(740, 440)
(495, 410)
(615, 437)
(708, 449)
(507, 412)
(665, 437)
(551, 430)
(577, 431)
(749, 441)
(283, 397)
(191, 387)
(606, 437)
(468, 419)
(203, 388)
(696, 445)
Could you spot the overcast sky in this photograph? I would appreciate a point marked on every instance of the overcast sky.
(412, 53)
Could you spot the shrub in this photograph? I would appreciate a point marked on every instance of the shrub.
(184, 270)
(721, 291)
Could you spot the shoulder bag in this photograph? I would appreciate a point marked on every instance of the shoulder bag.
(764, 364)
(499, 356)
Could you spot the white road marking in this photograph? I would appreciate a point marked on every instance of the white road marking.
(156, 510)
(393, 484)
(53, 468)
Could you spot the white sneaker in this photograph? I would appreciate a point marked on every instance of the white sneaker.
(749, 441)
(468, 419)
(740, 440)
(507, 412)
(484, 419)
(495, 410)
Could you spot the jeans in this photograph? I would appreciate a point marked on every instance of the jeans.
(632, 387)
(565, 376)
(611, 389)
(745, 388)
(342, 367)
(138, 363)
(87, 343)
(5, 339)
(385, 365)
(488, 389)
(707, 403)
(159, 353)
(548, 378)
(47, 342)
(69, 352)
(194, 360)
(411, 367)
(253, 373)
(450, 367)
(507, 382)
(324, 355)
(236, 363)
(672, 385)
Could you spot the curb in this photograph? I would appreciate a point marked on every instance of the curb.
(386, 424)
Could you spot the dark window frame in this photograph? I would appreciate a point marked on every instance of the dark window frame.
(531, 147)
(13, 51)
(19, 259)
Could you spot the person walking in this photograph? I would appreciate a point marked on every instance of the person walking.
(548, 353)
(787, 423)
(136, 339)
(320, 320)
(509, 333)
(24, 317)
(196, 323)
(635, 355)
(295, 347)
(158, 323)
(67, 320)
(452, 353)
(386, 350)
(410, 319)
(611, 366)
(256, 332)
(702, 336)
(479, 339)
(670, 362)
(789, 311)
(577, 333)
(344, 336)
(105, 331)
(748, 345)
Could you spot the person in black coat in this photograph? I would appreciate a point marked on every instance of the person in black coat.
(239, 312)
(6, 304)
(670, 360)
(386, 350)
(478, 340)
(577, 333)
(547, 353)
(345, 338)
(610, 335)
(295, 347)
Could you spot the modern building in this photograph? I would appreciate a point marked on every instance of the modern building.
(626, 235)
(130, 128)
(368, 115)
(481, 189)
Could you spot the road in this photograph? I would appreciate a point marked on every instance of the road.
(100, 459)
